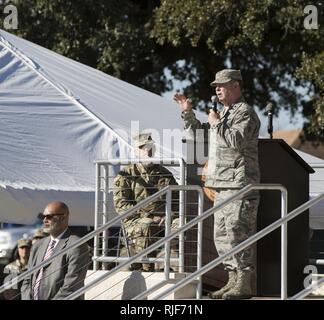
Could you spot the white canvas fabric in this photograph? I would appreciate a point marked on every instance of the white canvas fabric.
(316, 187)
(57, 117)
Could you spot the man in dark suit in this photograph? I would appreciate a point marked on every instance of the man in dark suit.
(66, 273)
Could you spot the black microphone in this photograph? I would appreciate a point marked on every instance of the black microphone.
(214, 100)
(269, 109)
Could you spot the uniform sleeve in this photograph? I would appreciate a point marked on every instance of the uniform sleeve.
(123, 195)
(10, 273)
(236, 136)
(192, 124)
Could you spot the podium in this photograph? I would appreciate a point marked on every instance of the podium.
(279, 163)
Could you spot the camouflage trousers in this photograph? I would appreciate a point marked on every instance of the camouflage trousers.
(232, 225)
(143, 232)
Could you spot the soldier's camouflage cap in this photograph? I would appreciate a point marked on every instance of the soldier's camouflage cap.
(24, 243)
(39, 233)
(143, 139)
(225, 76)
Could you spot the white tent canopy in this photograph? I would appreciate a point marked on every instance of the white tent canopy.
(316, 187)
(57, 117)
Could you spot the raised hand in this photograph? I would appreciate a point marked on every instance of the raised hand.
(183, 102)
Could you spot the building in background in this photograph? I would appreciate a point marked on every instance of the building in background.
(296, 139)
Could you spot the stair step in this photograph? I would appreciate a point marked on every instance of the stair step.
(125, 285)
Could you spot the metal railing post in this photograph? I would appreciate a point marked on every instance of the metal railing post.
(168, 211)
(96, 222)
(284, 245)
(199, 243)
(181, 216)
(104, 215)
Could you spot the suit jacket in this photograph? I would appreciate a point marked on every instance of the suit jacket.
(63, 275)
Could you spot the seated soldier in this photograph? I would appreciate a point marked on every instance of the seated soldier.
(15, 268)
(132, 185)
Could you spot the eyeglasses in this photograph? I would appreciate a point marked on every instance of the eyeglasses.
(42, 216)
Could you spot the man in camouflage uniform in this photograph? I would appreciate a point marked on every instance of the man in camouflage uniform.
(232, 164)
(16, 267)
(135, 183)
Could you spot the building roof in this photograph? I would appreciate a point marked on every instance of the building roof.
(296, 139)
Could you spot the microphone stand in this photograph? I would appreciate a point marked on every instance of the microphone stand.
(269, 109)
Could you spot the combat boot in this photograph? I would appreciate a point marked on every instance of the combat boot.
(242, 288)
(230, 284)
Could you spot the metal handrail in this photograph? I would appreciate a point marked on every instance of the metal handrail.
(144, 294)
(219, 206)
(135, 160)
(87, 237)
(92, 234)
(262, 233)
(147, 250)
(191, 223)
(307, 291)
(155, 245)
(126, 161)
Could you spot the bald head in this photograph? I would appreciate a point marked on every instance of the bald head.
(57, 207)
(56, 218)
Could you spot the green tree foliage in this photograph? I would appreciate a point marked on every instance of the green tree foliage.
(112, 36)
(266, 39)
(137, 40)
(312, 70)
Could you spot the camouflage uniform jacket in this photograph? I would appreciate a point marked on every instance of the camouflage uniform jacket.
(15, 267)
(135, 183)
(11, 271)
(233, 146)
